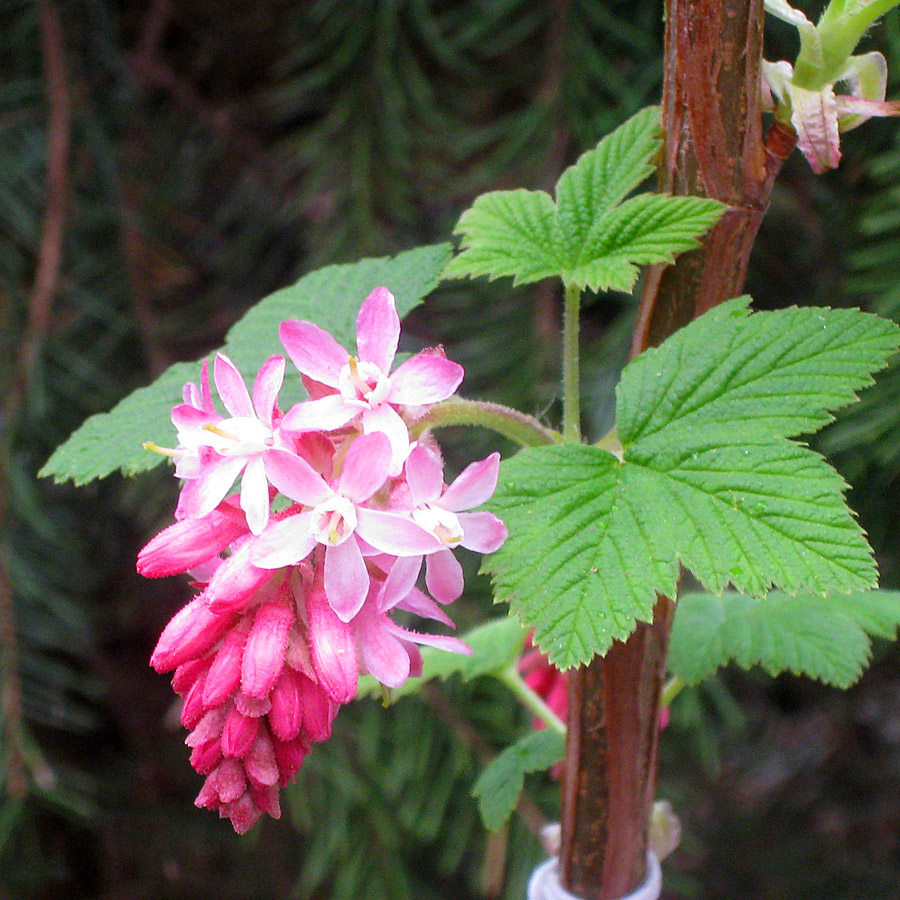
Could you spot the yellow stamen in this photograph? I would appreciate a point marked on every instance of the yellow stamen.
(333, 534)
(214, 429)
(361, 386)
(162, 451)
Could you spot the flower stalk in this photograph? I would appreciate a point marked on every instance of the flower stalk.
(571, 369)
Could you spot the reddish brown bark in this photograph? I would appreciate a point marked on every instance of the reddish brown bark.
(713, 148)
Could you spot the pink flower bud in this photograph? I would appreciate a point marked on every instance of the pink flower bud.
(266, 644)
(267, 800)
(187, 673)
(235, 582)
(332, 649)
(225, 672)
(290, 756)
(252, 706)
(286, 715)
(208, 728)
(244, 813)
(238, 734)
(190, 542)
(229, 780)
(190, 632)
(205, 757)
(318, 711)
(260, 763)
(193, 708)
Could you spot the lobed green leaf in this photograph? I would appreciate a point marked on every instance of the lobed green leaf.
(821, 637)
(708, 479)
(604, 176)
(500, 784)
(586, 238)
(330, 297)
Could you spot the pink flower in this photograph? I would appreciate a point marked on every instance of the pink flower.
(440, 511)
(294, 605)
(362, 386)
(213, 451)
(387, 650)
(338, 519)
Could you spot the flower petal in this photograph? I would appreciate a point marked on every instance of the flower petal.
(382, 654)
(295, 477)
(365, 467)
(444, 576)
(313, 351)
(255, 495)
(378, 329)
(385, 420)
(475, 485)
(394, 534)
(215, 481)
(401, 579)
(424, 474)
(231, 387)
(814, 116)
(426, 378)
(325, 414)
(266, 387)
(441, 641)
(422, 605)
(283, 543)
(184, 417)
(483, 532)
(346, 579)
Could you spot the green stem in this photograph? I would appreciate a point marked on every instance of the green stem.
(571, 370)
(530, 700)
(517, 426)
(673, 687)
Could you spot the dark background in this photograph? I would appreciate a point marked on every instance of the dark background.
(164, 165)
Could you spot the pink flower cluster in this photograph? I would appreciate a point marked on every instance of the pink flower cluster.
(297, 598)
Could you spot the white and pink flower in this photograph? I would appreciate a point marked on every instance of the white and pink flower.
(213, 451)
(348, 387)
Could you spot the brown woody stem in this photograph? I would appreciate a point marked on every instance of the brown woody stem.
(713, 148)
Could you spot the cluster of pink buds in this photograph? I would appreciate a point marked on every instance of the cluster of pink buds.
(295, 604)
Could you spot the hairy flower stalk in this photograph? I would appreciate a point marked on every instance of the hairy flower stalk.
(294, 605)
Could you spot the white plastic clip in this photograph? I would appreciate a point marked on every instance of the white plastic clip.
(544, 883)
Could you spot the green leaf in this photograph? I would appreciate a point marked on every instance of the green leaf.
(509, 233)
(330, 297)
(708, 479)
(501, 782)
(586, 238)
(768, 373)
(495, 646)
(649, 228)
(821, 637)
(604, 176)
